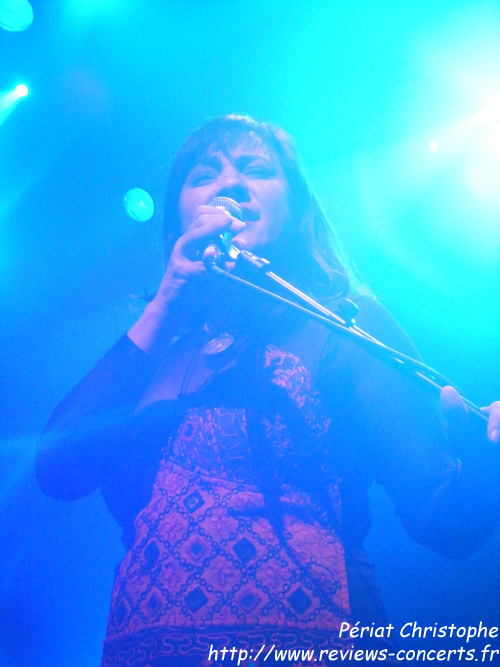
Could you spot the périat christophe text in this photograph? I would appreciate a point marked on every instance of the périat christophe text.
(487, 653)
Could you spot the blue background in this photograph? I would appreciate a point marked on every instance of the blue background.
(115, 87)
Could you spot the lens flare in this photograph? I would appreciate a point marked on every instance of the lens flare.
(21, 90)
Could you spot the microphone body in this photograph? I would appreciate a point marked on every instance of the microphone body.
(221, 246)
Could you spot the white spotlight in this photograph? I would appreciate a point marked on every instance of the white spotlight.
(21, 90)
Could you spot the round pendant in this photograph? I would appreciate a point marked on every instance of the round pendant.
(219, 344)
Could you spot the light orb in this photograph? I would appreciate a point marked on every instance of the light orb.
(15, 15)
(139, 204)
(21, 90)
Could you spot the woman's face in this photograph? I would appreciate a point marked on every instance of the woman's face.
(249, 173)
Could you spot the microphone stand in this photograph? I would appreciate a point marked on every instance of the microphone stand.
(344, 325)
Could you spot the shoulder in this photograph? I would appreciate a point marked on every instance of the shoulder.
(378, 322)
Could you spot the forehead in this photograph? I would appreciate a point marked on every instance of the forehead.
(248, 144)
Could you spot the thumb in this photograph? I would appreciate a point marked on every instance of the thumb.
(454, 408)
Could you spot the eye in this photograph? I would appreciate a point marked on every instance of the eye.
(258, 169)
(202, 176)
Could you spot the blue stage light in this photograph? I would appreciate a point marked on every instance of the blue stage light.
(139, 204)
(9, 99)
(15, 15)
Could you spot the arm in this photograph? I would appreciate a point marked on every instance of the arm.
(70, 454)
(396, 434)
(87, 427)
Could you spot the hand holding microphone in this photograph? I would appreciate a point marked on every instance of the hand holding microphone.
(221, 247)
(182, 286)
(204, 237)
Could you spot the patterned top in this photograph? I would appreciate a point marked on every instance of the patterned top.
(215, 562)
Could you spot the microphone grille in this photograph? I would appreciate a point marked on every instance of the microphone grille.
(230, 205)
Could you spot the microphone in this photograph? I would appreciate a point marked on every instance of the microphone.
(221, 246)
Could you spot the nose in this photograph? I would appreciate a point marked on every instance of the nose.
(232, 185)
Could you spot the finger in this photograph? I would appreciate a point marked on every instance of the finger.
(211, 228)
(219, 222)
(204, 214)
(454, 408)
(493, 411)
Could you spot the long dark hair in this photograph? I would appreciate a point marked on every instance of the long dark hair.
(321, 265)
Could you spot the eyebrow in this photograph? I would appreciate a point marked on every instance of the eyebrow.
(243, 159)
(207, 161)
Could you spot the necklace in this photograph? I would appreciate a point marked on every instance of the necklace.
(218, 344)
